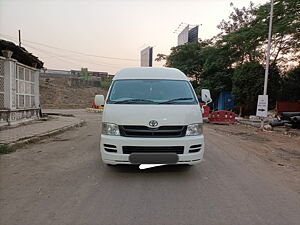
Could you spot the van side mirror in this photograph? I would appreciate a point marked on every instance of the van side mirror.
(99, 100)
(205, 96)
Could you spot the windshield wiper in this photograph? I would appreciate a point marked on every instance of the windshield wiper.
(133, 100)
(174, 100)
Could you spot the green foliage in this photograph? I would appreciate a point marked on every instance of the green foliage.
(247, 84)
(160, 57)
(217, 71)
(290, 88)
(187, 58)
(106, 84)
(209, 67)
(234, 60)
(285, 38)
(273, 90)
(246, 32)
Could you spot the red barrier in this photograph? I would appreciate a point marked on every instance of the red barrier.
(222, 117)
(206, 108)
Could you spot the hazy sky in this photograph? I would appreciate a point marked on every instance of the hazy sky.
(111, 28)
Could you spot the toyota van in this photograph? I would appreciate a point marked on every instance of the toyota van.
(151, 116)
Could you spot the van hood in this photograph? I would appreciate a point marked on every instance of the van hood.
(133, 114)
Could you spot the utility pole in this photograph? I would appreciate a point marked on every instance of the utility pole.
(19, 38)
(268, 58)
(268, 49)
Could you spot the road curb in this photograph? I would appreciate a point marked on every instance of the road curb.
(58, 114)
(35, 138)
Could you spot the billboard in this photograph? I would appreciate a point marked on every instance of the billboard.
(147, 56)
(193, 34)
(188, 35)
(183, 36)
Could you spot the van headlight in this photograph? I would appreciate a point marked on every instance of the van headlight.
(110, 129)
(194, 129)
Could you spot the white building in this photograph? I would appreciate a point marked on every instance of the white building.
(19, 90)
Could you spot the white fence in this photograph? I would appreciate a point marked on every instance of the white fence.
(1, 83)
(19, 91)
(25, 88)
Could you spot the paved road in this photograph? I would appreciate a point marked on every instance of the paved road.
(62, 181)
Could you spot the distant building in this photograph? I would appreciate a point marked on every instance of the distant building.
(51, 73)
(19, 84)
(188, 35)
(101, 75)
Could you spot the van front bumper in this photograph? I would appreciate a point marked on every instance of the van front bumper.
(118, 157)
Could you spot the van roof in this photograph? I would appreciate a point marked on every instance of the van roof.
(150, 73)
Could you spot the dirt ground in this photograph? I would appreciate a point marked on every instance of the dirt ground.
(246, 177)
(56, 94)
(282, 150)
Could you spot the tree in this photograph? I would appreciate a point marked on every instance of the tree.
(290, 86)
(234, 59)
(248, 83)
(238, 19)
(208, 66)
(160, 57)
(240, 37)
(187, 58)
(246, 33)
(285, 37)
(217, 72)
(273, 90)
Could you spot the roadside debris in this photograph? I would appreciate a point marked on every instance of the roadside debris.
(94, 110)
(268, 127)
(288, 119)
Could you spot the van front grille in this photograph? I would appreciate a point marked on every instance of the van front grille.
(144, 131)
(153, 149)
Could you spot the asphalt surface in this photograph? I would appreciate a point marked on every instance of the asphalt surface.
(63, 181)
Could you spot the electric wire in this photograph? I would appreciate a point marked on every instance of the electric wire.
(75, 52)
(67, 58)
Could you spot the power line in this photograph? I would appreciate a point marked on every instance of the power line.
(58, 57)
(75, 52)
(63, 58)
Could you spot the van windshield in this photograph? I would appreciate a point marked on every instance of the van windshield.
(143, 91)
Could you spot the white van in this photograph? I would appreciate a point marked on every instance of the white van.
(151, 116)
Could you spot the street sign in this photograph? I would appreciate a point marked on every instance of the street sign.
(262, 106)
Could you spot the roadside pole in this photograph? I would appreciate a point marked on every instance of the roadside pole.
(267, 58)
(19, 38)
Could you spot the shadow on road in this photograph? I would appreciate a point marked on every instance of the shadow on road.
(159, 169)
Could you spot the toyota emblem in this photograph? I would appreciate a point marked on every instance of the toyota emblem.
(153, 123)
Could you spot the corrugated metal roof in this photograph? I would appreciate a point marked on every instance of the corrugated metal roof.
(21, 54)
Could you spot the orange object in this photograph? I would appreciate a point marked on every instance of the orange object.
(96, 107)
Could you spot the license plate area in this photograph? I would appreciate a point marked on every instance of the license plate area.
(153, 158)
